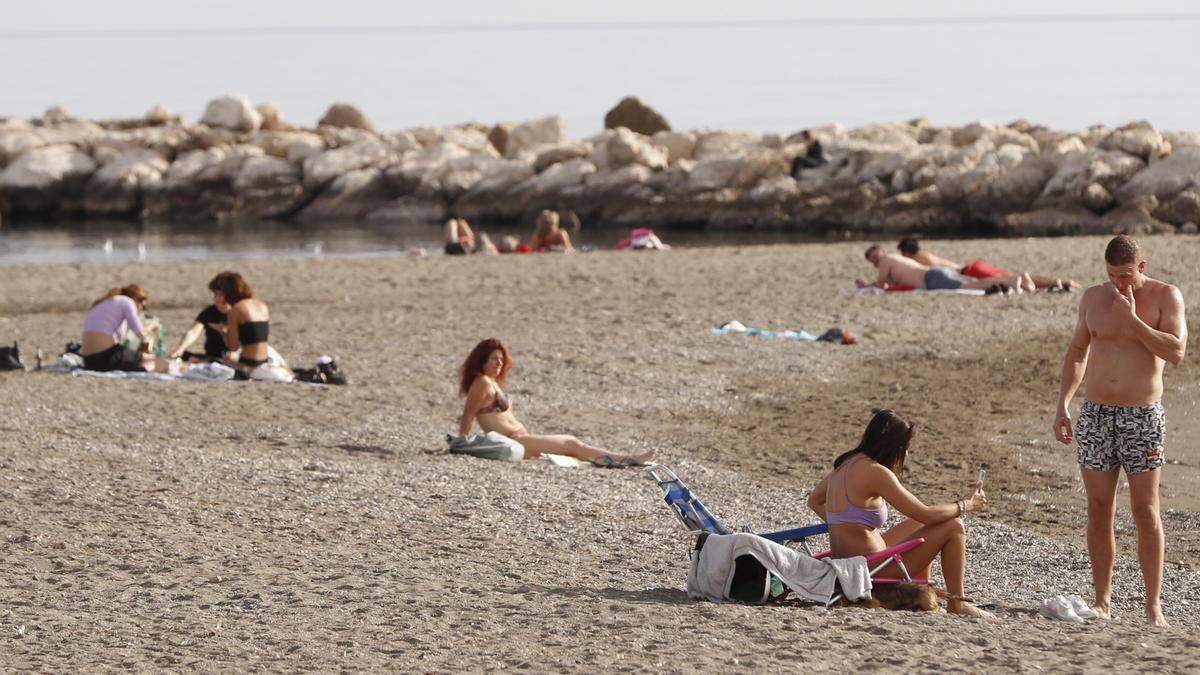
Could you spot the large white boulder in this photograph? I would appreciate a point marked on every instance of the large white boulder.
(774, 190)
(322, 168)
(46, 168)
(621, 147)
(267, 187)
(47, 178)
(15, 140)
(738, 172)
(627, 181)
(266, 172)
(679, 144)
(524, 137)
(499, 179)
(1163, 179)
(350, 195)
(117, 186)
(1078, 170)
(232, 112)
(1138, 139)
(550, 155)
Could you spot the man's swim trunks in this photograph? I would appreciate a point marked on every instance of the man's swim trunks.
(979, 269)
(943, 279)
(1112, 436)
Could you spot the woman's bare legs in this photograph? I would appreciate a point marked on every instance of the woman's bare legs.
(562, 444)
(947, 538)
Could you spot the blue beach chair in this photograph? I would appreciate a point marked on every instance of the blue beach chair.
(697, 519)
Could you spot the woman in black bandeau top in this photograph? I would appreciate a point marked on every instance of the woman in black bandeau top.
(486, 368)
(248, 319)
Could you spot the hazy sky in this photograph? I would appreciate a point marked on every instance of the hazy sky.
(150, 14)
(765, 66)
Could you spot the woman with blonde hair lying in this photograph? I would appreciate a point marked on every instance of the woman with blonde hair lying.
(483, 372)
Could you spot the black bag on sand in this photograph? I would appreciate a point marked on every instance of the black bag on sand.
(10, 358)
(326, 372)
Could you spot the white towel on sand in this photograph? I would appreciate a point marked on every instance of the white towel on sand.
(710, 573)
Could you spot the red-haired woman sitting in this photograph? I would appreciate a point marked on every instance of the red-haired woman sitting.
(249, 320)
(486, 368)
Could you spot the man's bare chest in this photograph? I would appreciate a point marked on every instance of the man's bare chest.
(1108, 319)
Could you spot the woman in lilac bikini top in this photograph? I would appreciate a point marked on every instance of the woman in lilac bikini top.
(853, 499)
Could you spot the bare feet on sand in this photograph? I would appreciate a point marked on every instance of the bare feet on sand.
(962, 608)
(1154, 616)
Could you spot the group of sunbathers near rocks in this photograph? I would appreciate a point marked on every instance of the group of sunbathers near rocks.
(914, 268)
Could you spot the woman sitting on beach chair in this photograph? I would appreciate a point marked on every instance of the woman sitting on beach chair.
(486, 368)
(853, 499)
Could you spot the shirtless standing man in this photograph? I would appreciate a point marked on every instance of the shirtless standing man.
(897, 270)
(1130, 326)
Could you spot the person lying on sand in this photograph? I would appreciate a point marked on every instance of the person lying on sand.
(104, 326)
(482, 373)
(977, 269)
(460, 240)
(896, 270)
(853, 500)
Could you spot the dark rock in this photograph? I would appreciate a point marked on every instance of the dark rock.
(635, 115)
(345, 115)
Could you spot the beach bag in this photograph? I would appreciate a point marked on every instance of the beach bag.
(10, 358)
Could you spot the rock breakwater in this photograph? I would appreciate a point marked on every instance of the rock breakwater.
(242, 162)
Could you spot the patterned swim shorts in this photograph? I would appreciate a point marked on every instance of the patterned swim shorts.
(1112, 436)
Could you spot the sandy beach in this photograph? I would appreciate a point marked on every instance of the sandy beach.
(217, 527)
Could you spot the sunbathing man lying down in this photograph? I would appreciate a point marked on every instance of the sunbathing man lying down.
(896, 270)
(978, 269)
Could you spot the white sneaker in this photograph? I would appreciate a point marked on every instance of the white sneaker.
(1081, 608)
(1059, 609)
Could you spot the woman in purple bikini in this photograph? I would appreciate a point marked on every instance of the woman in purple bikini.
(853, 500)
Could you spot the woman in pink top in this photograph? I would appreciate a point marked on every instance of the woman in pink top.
(853, 499)
(118, 311)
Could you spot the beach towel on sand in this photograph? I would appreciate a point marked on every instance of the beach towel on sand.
(491, 445)
(835, 335)
(711, 571)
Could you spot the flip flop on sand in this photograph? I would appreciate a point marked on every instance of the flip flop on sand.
(610, 462)
(626, 462)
